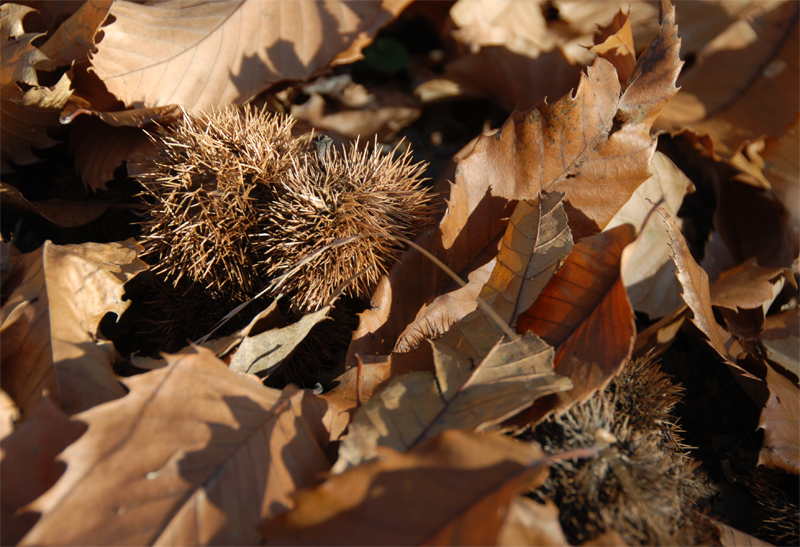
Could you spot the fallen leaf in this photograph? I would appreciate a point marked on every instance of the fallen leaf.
(781, 338)
(451, 490)
(49, 324)
(743, 84)
(511, 78)
(30, 110)
(731, 537)
(697, 295)
(264, 351)
(481, 23)
(29, 466)
(60, 213)
(532, 523)
(146, 56)
(584, 312)
(73, 40)
(9, 414)
(584, 17)
(649, 280)
(194, 454)
(614, 43)
(780, 420)
(462, 394)
(570, 146)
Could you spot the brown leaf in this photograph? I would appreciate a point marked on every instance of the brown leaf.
(73, 40)
(781, 338)
(451, 490)
(731, 537)
(780, 420)
(100, 149)
(532, 523)
(462, 394)
(614, 43)
(584, 312)
(649, 280)
(50, 324)
(696, 294)
(570, 146)
(9, 414)
(29, 466)
(193, 455)
(266, 350)
(146, 57)
(744, 84)
(27, 115)
(514, 79)
(60, 213)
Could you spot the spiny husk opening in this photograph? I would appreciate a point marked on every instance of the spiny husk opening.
(645, 484)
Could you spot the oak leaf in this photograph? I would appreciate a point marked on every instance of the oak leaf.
(49, 324)
(29, 465)
(451, 490)
(194, 454)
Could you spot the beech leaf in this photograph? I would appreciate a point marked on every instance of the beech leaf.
(194, 454)
(49, 324)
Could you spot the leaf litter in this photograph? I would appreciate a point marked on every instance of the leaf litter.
(550, 397)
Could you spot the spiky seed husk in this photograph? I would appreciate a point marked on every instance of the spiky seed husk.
(203, 190)
(236, 203)
(643, 486)
(361, 192)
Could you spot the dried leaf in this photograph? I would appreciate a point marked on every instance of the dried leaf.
(49, 324)
(65, 214)
(614, 43)
(9, 414)
(268, 349)
(464, 395)
(532, 523)
(571, 147)
(500, 23)
(781, 338)
(584, 312)
(73, 40)
(780, 420)
(731, 537)
(697, 296)
(744, 84)
(649, 279)
(27, 115)
(512, 78)
(29, 466)
(432, 495)
(193, 455)
(146, 57)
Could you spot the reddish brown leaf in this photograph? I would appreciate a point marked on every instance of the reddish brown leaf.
(432, 495)
(194, 455)
(585, 313)
(29, 466)
(780, 421)
(49, 324)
